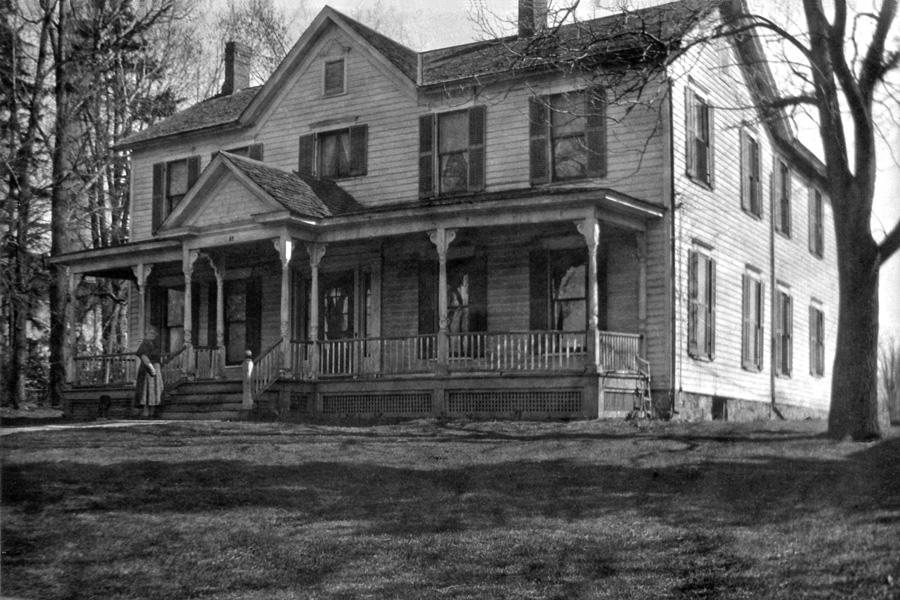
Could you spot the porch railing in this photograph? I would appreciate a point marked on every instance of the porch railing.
(105, 369)
(266, 369)
(518, 351)
(619, 351)
(175, 367)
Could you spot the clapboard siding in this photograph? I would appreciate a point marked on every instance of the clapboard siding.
(738, 240)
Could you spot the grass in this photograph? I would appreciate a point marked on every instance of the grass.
(432, 509)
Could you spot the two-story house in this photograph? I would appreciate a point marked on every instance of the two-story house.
(476, 230)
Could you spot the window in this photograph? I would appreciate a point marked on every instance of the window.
(558, 282)
(466, 295)
(751, 199)
(451, 145)
(174, 332)
(752, 333)
(816, 223)
(568, 136)
(816, 341)
(334, 81)
(243, 312)
(699, 138)
(334, 154)
(171, 182)
(701, 305)
(782, 186)
(784, 326)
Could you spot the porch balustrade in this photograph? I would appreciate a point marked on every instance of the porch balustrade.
(518, 351)
(174, 367)
(266, 369)
(105, 369)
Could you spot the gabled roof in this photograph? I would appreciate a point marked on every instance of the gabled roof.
(213, 112)
(304, 196)
(405, 59)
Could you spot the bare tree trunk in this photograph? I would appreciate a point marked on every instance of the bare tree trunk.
(856, 411)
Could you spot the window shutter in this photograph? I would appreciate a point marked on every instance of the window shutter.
(820, 342)
(359, 140)
(776, 193)
(538, 134)
(746, 171)
(813, 343)
(778, 333)
(760, 324)
(748, 326)
(693, 293)
(426, 156)
(711, 145)
(255, 151)
(478, 281)
(690, 133)
(428, 296)
(789, 335)
(820, 224)
(254, 316)
(595, 131)
(711, 339)
(477, 124)
(812, 221)
(159, 195)
(306, 158)
(193, 165)
(786, 209)
(538, 290)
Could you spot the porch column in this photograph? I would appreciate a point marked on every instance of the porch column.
(71, 327)
(642, 290)
(218, 268)
(188, 260)
(590, 229)
(442, 238)
(285, 247)
(316, 252)
(141, 275)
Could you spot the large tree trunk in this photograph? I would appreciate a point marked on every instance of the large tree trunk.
(856, 411)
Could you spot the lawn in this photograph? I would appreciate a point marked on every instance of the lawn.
(458, 509)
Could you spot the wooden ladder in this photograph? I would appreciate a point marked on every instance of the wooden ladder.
(643, 397)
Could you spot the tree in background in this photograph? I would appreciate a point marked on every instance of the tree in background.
(889, 376)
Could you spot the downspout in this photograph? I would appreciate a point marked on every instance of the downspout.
(772, 199)
(673, 274)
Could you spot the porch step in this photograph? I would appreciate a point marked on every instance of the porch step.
(219, 399)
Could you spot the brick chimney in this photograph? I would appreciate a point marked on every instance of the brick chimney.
(532, 17)
(237, 68)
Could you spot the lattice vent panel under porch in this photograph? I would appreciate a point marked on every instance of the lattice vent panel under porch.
(514, 401)
(405, 403)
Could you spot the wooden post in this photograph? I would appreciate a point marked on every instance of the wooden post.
(188, 260)
(316, 252)
(219, 271)
(285, 247)
(590, 229)
(247, 371)
(442, 238)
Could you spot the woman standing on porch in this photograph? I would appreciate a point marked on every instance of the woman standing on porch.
(149, 384)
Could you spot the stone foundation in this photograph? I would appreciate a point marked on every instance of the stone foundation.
(701, 407)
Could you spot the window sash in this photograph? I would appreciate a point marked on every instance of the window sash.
(334, 77)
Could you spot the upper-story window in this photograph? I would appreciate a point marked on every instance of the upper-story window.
(816, 223)
(751, 189)
(752, 339)
(171, 182)
(451, 152)
(568, 136)
(699, 137)
(782, 187)
(701, 304)
(334, 78)
(334, 154)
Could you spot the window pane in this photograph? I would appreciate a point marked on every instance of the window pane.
(454, 172)
(453, 132)
(569, 158)
(334, 149)
(567, 115)
(458, 300)
(177, 178)
(569, 315)
(334, 77)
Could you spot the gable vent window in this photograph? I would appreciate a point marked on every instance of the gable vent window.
(171, 182)
(451, 152)
(568, 136)
(334, 77)
(334, 154)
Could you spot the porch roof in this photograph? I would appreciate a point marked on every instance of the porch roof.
(118, 261)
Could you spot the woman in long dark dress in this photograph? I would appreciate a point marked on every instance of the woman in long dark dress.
(149, 384)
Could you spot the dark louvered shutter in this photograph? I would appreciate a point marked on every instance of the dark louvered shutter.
(254, 316)
(595, 131)
(428, 296)
(478, 282)
(306, 158)
(711, 340)
(477, 124)
(426, 156)
(760, 325)
(693, 302)
(359, 150)
(778, 332)
(789, 333)
(193, 165)
(711, 145)
(690, 113)
(159, 195)
(747, 323)
(813, 342)
(746, 172)
(255, 151)
(538, 290)
(538, 132)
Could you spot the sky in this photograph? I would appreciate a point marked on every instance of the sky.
(447, 23)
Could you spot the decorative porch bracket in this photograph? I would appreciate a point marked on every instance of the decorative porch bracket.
(141, 275)
(590, 229)
(442, 238)
(285, 247)
(316, 251)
